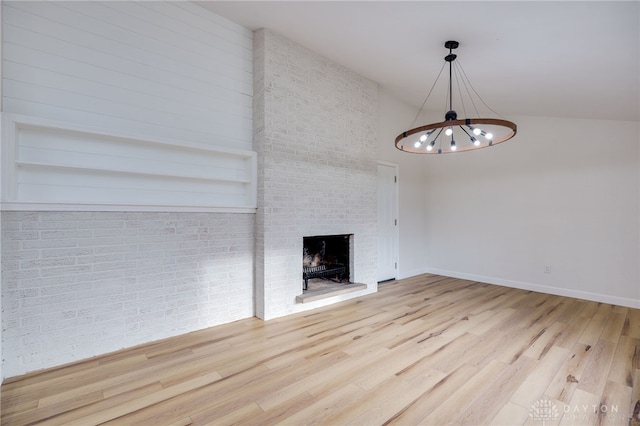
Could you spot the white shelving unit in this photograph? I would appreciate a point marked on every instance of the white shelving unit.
(50, 165)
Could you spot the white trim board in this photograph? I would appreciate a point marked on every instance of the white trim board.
(70, 207)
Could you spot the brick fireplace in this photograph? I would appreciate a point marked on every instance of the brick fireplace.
(315, 124)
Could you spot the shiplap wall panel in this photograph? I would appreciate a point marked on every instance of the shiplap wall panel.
(197, 37)
(212, 99)
(196, 123)
(146, 71)
(136, 25)
(213, 24)
(102, 85)
(148, 68)
(96, 50)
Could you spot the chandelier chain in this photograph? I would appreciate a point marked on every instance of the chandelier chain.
(478, 95)
(458, 78)
(427, 98)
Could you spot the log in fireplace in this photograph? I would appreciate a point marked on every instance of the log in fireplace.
(326, 257)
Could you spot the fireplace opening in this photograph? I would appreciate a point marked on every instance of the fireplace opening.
(326, 258)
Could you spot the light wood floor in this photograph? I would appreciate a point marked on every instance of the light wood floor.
(426, 350)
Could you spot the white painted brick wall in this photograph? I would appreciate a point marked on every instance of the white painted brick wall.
(315, 133)
(79, 284)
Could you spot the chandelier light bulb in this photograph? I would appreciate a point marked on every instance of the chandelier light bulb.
(429, 147)
(475, 141)
(449, 131)
(477, 131)
(453, 145)
(417, 144)
(423, 138)
(489, 136)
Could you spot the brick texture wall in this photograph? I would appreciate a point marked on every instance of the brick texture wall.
(315, 134)
(79, 284)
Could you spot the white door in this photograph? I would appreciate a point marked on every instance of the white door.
(387, 221)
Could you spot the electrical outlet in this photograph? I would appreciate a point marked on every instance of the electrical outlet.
(547, 269)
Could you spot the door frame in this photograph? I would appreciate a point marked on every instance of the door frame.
(396, 212)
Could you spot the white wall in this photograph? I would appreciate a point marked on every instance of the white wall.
(394, 117)
(563, 193)
(81, 283)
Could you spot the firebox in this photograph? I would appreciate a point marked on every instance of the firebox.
(327, 257)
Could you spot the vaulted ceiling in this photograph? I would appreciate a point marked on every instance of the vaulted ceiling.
(541, 58)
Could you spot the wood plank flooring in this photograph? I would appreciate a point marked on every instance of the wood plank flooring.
(426, 350)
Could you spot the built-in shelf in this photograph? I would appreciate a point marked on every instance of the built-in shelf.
(116, 170)
(48, 163)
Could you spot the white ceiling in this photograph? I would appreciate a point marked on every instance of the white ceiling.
(557, 58)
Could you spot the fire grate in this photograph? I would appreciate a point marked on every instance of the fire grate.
(330, 271)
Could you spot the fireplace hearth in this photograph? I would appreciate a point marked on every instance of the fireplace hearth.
(326, 257)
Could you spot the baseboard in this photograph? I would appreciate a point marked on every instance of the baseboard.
(585, 295)
(418, 271)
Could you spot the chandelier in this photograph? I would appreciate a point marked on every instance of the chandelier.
(453, 134)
